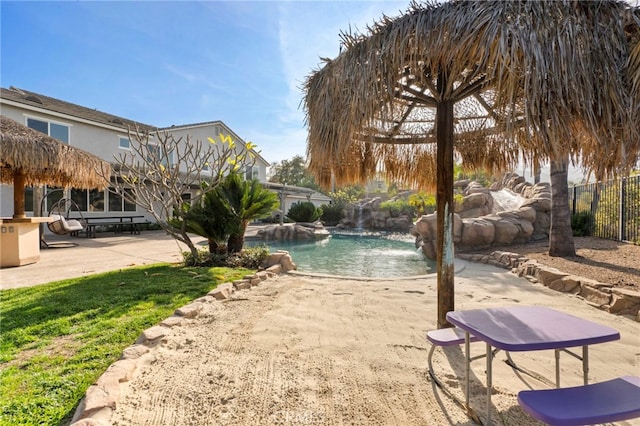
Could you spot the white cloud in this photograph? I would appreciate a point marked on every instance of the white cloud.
(309, 31)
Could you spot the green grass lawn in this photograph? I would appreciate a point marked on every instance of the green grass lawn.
(56, 339)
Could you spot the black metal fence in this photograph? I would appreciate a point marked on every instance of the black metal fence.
(614, 205)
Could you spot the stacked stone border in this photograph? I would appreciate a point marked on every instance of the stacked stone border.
(100, 400)
(603, 296)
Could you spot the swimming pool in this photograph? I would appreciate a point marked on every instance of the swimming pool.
(354, 254)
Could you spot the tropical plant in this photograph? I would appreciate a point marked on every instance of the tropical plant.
(560, 234)
(304, 212)
(248, 258)
(210, 219)
(245, 201)
(332, 214)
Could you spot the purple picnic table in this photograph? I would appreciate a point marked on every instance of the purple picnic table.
(529, 328)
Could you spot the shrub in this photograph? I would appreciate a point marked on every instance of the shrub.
(304, 212)
(249, 258)
(423, 203)
(397, 208)
(332, 214)
(582, 223)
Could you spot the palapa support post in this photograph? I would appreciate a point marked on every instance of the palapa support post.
(444, 208)
(18, 194)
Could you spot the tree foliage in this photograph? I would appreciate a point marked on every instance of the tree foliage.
(293, 172)
(245, 201)
(159, 169)
(223, 214)
(210, 218)
(347, 194)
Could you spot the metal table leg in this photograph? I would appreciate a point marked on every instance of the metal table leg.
(585, 364)
(489, 382)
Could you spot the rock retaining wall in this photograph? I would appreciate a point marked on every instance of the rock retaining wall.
(530, 221)
(99, 403)
(607, 297)
(296, 231)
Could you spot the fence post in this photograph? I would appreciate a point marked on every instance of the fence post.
(574, 202)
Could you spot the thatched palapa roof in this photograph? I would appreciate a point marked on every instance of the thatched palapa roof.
(45, 160)
(541, 79)
(489, 81)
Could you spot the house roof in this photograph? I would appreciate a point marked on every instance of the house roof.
(37, 100)
(44, 160)
(183, 126)
(215, 123)
(33, 100)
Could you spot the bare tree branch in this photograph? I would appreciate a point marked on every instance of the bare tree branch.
(160, 169)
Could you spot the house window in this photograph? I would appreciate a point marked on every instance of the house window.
(53, 195)
(79, 196)
(96, 201)
(88, 200)
(118, 204)
(124, 143)
(251, 173)
(28, 198)
(55, 130)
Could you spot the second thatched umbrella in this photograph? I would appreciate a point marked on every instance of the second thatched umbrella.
(492, 81)
(28, 157)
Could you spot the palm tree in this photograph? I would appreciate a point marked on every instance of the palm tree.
(245, 201)
(224, 213)
(490, 81)
(210, 219)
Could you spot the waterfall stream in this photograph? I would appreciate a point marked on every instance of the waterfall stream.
(505, 200)
(359, 219)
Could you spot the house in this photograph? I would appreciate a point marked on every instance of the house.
(101, 134)
(290, 195)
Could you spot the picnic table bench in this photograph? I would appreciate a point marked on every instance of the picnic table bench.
(120, 224)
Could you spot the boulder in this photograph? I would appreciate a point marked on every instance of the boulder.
(477, 233)
(402, 223)
(505, 230)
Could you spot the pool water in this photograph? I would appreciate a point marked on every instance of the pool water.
(374, 255)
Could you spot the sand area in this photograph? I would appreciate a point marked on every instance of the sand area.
(300, 350)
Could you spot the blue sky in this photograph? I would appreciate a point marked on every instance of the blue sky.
(164, 63)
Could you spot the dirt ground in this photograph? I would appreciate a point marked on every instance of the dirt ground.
(606, 261)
